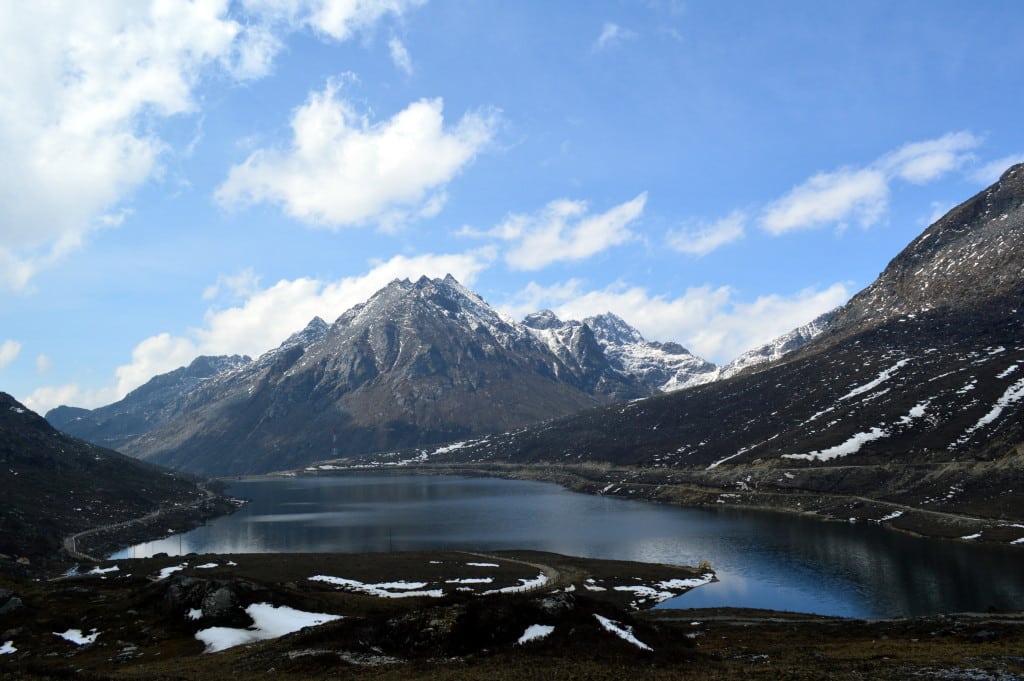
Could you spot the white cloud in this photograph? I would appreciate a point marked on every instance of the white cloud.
(990, 172)
(862, 194)
(706, 238)
(923, 162)
(239, 285)
(612, 34)
(830, 198)
(85, 85)
(337, 19)
(78, 84)
(9, 351)
(563, 230)
(43, 363)
(261, 322)
(342, 170)
(709, 321)
(400, 56)
(46, 398)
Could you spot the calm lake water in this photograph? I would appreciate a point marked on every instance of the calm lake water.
(763, 560)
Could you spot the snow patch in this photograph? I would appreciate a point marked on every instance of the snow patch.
(622, 631)
(268, 622)
(524, 585)
(1013, 394)
(882, 378)
(77, 637)
(535, 632)
(382, 589)
(851, 446)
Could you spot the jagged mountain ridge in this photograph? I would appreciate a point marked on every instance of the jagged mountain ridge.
(370, 383)
(914, 393)
(425, 361)
(661, 367)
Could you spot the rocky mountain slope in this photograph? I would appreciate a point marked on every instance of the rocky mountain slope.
(420, 362)
(912, 394)
(147, 407)
(54, 485)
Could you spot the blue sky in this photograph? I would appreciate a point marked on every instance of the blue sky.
(186, 178)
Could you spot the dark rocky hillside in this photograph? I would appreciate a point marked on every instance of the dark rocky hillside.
(55, 485)
(913, 395)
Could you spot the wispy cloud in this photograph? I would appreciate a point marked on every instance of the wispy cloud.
(862, 194)
(341, 169)
(9, 351)
(988, 173)
(705, 238)
(563, 230)
(400, 56)
(611, 35)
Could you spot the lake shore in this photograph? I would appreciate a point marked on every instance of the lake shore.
(139, 619)
(721, 490)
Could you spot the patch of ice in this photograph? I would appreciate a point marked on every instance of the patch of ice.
(535, 632)
(851, 446)
(8, 647)
(622, 631)
(77, 637)
(268, 622)
(382, 589)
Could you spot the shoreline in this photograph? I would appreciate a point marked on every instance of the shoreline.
(646, 485)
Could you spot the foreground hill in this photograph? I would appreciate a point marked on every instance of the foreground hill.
(55, 485)
(912, 396)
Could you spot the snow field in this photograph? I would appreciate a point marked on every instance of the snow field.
(269, 622)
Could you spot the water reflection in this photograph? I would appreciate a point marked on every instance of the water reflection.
(762, 560)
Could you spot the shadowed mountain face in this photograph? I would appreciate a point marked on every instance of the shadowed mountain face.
(920, 375)
(55, 485)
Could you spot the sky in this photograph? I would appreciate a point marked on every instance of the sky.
(188, 178)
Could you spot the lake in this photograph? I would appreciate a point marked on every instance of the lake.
(763, 560)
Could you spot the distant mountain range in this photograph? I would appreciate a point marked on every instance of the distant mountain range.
(912, 393)
(419, 363)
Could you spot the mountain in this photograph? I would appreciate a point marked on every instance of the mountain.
(147, 407)
(420, 362)
(778, 348)
(616, 359)
(911, 394)
(54, 485)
